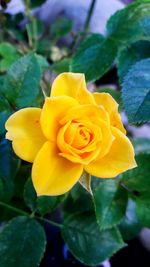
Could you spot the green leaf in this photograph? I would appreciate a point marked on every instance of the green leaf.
(21, 85)
(36, 3)
(61, 66)
(110, 201)
(8, 54)
(136, 89)
(143, 211)
(30, 195)
(46, 204)
(86, 242)
(141, 145)
(9, 166)
(9, 163)
(21, 179)
(77, 201)
(3, 117)
(22, 243)
(6, 190)
(138, 182)
(129, 55)
(137, 179)
(43, 63)
(128, 25)
(94, 57)
(130, 225)
(43, 204)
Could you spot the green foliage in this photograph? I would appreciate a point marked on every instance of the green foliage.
(143, 208)
(85, 240)
(89, 221)
(130, 225)
(77, 201)
(8, 54)
(61, 66)
(94, 56)
(34, 3)
(22, 243)
(131, 54)
(136, 90)
(43, 204)
(129, 24)
(138, 182)
(9, 166)
(21, 85)
(110, 201)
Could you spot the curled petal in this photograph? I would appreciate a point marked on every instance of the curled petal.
(52, 174)
(53, 111)
(24, 130)
(111, 106)
(120, 158)
(74, 85)
(87, 112)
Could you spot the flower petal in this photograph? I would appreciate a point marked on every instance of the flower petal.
(120, 158)
(52, 174)
(25, 132)
(87, 112)
(53, 111)
(74, 85)
(111, 106)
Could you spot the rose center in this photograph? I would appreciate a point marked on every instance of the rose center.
(78, 135)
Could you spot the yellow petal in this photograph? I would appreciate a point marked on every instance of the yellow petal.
(52, 174)
(88, 112)
(25, 132)
(74, 85)
(111, 106)
(53, 111)
(120, 158)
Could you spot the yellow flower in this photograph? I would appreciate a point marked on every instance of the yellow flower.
(74, 131)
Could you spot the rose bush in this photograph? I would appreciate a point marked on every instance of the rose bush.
(75, 130)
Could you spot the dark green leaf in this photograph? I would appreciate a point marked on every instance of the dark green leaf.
(143, 211)
(8, 55)
(9, 166)
(128, 25)
(21, 178)
(22, 243)
(43, 204)
(138, 179)
(46, 204)
(94, 57)
(110, 201)
(21, 85)
(3, 117)
(36, 3)
(9, 163)
(130, 225)
(86, 242)
(30, 195)
(136, 89)
(129, 55)
(43, 63)
(61, 66)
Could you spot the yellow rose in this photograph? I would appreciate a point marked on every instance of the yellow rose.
(74, 131)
